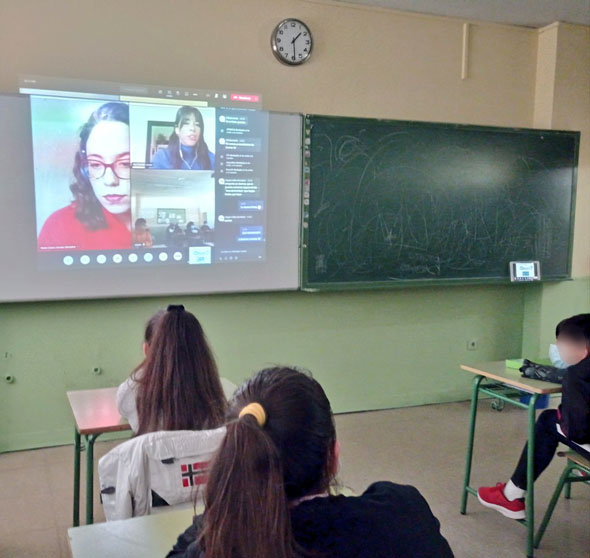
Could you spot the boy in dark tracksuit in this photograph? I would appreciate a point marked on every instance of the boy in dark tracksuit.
(573, 416)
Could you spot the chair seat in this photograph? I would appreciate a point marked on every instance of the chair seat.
(585, 447)
(578, 460)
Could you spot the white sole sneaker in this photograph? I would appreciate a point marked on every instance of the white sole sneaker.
(502, 510)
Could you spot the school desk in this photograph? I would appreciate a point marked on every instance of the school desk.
(500, 382)
(95, 412)
(149, 536)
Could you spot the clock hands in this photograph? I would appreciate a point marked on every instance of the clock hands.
(301, 42)
(293, 43)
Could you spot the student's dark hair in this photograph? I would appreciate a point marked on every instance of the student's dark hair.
(179, 387)
(88, 209)
(140, 222)
(201, 150)
(259, 470)
(576, 328)
(148, 335)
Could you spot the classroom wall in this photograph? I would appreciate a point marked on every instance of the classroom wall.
(562, 101)
(370, 349)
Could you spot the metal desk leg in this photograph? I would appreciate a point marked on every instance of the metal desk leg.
(77, 450)
(556, 494)
(90, 478)
(476, 382)
(530, 481)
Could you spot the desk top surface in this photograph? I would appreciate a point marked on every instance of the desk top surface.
(497, 370)
(95, 411)
(139, 537)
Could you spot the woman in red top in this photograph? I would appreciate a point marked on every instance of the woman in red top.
(99, 218)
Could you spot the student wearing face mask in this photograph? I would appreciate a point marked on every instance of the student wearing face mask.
(572, 417)
(556, 372)
(187, 149)
(555, 357)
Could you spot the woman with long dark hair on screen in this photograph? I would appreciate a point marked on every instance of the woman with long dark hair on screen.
(177, 387)
(99, 217)
(187, 149)
(268, 490)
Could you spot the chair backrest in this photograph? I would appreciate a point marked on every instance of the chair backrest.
(174, 464)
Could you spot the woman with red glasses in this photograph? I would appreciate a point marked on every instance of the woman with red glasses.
(100, 215)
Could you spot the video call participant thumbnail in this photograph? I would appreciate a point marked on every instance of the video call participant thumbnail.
(100, 215)
(187, 149)
(142, 236)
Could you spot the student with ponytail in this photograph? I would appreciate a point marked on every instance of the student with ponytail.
(177, 387)
(268, 490)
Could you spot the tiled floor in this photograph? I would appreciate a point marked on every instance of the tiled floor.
(423, 446)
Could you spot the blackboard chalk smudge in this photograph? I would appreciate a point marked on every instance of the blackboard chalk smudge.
(320, 264)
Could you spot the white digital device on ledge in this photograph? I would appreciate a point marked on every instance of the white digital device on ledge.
(525, 271)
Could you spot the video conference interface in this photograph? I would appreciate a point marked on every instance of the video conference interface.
(175, 178)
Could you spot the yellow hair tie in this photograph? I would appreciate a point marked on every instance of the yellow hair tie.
(256, 410)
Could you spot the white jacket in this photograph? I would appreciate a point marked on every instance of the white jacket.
(126, 402)
(173, 464)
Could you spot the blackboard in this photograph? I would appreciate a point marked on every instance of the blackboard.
(389, 202)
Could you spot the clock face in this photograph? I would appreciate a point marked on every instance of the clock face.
(292, 42)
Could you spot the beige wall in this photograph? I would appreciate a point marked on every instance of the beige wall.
(562, 101)
(366, 62)
(571, 111)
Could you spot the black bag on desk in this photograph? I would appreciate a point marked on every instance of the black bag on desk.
(542, 372)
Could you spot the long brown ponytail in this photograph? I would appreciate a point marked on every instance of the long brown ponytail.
(265, 463)
(179, 388)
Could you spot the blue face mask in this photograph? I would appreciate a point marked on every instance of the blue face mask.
(555, 357)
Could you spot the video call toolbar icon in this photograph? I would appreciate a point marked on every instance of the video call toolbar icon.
(133, 257)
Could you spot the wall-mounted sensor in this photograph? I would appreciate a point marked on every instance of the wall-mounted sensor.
(525, 271)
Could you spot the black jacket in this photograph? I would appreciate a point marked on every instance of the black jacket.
(575, 402)
(387, 521)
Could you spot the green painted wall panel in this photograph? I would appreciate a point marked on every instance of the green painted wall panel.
(370, 350)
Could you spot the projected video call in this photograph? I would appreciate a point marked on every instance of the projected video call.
(147, 182)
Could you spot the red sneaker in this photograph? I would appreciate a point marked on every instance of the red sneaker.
(493, 497)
